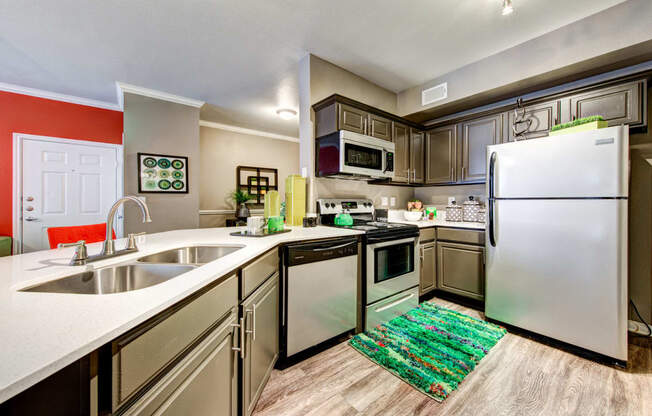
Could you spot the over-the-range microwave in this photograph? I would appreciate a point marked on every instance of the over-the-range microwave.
(348, 155)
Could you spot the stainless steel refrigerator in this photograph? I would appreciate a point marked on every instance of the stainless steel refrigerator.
(557, 237)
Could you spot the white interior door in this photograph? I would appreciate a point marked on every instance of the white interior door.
(64, 183)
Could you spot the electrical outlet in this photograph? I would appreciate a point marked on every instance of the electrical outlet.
(392, 201)
(384, 201)
(451, 199)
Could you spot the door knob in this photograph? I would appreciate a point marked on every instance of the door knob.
(31, 219)
(29, 208)
(29, 199)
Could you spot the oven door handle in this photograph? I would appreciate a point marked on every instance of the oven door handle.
(396, 302)
(392, 240)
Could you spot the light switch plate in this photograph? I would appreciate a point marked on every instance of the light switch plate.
(392, 201)
(384, 201)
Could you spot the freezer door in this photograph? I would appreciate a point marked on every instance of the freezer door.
(589, 164)
(559, 268)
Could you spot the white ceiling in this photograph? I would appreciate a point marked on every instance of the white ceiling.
(241, 56)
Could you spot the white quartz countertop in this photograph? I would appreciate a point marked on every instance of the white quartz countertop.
(398, 215)
(42, 333)
(438, 222)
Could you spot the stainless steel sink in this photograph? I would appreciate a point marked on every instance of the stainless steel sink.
(196, 255)
(116, 279)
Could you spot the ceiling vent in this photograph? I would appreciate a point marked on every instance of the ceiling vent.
(434, 94)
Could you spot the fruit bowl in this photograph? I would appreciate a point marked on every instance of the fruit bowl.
(413, 215)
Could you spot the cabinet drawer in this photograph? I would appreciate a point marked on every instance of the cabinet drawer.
(461, 235)
(388, 309)
(138, 357)
(258, 271)
(203, 383)
(426, 234)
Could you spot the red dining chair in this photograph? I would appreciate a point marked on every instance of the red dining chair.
(90, 233)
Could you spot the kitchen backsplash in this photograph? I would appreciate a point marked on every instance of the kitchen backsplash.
(438, 196)
(341, 188)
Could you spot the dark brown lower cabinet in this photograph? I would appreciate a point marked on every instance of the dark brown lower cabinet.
(427, 282)
(204, 383)
(70, 391)
(261, 322)
(460, 269)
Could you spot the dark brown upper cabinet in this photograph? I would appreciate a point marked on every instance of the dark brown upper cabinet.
(401, 153)
(536, 121)
(619, 104)
(379, 127)
(352, 119)
(441, 149)
(417, 156)
(476, 136)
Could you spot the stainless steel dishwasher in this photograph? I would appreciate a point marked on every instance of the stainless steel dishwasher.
(320, 286)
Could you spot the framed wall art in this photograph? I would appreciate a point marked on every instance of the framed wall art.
(162, 174)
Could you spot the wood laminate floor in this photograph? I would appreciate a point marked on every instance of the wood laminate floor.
(519, 376)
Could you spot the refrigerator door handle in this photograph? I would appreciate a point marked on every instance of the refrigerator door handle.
(492, 165)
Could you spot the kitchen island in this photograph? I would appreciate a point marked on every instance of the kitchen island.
(44, 332)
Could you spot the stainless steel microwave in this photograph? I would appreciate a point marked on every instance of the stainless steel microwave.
(349, 155)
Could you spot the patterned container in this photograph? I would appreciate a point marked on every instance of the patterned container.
(470, 210)
(482, 215)
(454, 213)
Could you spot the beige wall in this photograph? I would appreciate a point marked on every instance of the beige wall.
(223, 151)
(578, 44)
(156, 126)
(319, 79)
(327, 79)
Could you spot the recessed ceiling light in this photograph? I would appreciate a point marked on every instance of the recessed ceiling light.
(286, 113)
(507, 7)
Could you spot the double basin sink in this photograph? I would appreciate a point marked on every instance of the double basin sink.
(144, 272)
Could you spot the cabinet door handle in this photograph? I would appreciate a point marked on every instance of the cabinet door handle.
(452, 178)
(408, 174)
(252, 331)
(414, 175)
(241, 347)
(364, 126)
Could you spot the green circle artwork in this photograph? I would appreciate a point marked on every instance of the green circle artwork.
(150, 162)
(150, 173)
(164, 184)
(163, 163)
(177, 164)
(178, 185)
(150, 185)
(164, 174)
(177, 174)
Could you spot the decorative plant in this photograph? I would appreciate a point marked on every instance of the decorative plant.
(240, 197)
(577, 122)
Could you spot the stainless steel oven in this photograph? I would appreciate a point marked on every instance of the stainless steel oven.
(345, 154)
(392, 266)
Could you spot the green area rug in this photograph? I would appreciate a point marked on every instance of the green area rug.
(431, 348)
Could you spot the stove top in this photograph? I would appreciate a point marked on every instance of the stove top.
(363, 213)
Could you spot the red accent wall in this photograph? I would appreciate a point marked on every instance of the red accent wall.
(32, 115)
